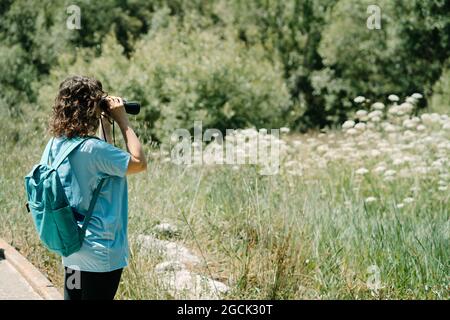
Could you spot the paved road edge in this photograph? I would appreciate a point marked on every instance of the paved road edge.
(32, 275)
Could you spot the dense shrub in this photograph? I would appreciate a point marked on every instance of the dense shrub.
(16, 77)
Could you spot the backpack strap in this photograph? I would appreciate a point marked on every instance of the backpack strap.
(46, 154)
(88, 214)
(73, 143)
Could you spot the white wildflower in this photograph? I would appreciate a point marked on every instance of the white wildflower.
(348, 124)
(352, 131)
(370, 199)
(439, 163)
(446, 126)
(411, 100)
(389, 173)
(359, 99)
(322, 148)
(409, 124)
(379, 169)
(393, 98)
(378, 106)
(430, 119)
(390, 128)
(421, 127)
(394, 110)
(375, 153)
(408, 200)
(444, 175)
(421, 170)
(406, 107)
(361, 114)
(291, 163)
(376, 113)
(361, 171)
(426, 118)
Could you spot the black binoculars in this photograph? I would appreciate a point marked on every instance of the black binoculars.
(131, 107)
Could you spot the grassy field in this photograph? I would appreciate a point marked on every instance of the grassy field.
(361, 213)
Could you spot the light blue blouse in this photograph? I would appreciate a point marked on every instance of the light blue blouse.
(105, 247)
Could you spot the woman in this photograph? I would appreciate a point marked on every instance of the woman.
(94, 271)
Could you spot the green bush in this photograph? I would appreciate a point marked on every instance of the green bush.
(16, 78)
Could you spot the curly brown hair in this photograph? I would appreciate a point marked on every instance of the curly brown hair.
(76, 111)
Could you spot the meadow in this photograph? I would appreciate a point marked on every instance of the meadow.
(360, 212)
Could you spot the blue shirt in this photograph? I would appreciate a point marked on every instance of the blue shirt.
(105, 247)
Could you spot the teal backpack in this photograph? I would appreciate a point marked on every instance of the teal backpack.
(50, 209)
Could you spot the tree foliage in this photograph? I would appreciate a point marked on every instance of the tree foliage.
(320, 49)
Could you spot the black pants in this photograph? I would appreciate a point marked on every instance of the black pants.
(83, 285)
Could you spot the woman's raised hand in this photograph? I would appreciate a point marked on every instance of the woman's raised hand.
(116, 109)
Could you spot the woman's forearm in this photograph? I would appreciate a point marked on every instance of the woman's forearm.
(132, 142)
